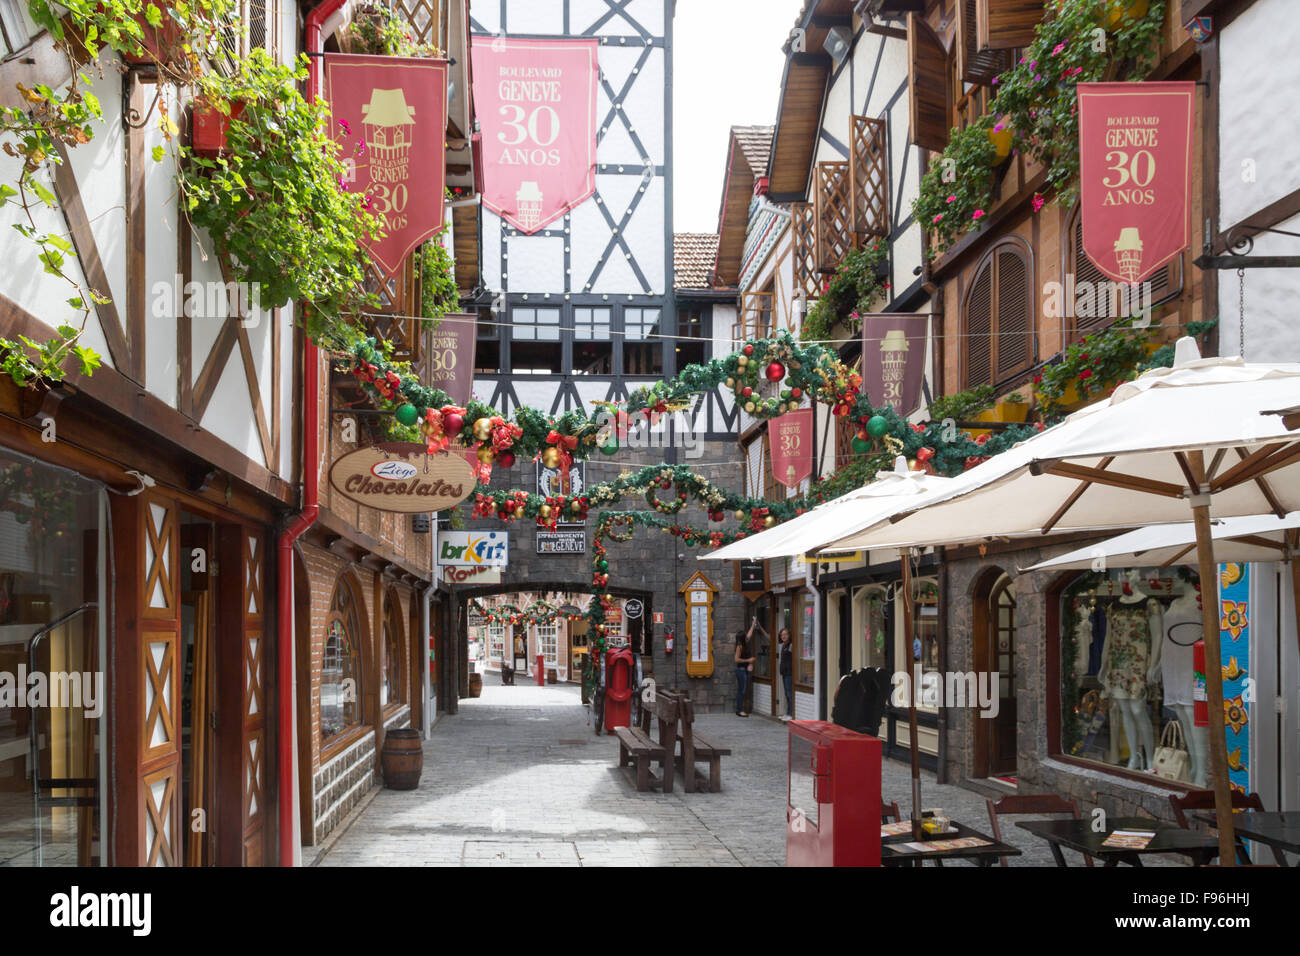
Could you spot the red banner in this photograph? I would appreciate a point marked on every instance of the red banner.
(791, 439)
(536, 105)
(449, 362)
(893, 359)
(390, 118)
(1135, 175)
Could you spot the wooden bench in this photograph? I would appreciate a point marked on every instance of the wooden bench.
(635, 745)
(695, 748)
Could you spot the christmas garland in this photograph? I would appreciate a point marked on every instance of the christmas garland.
(539, 612)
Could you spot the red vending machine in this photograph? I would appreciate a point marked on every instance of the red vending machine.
(620, 681)
(832, 807)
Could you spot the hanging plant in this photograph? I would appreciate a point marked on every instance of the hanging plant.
(381, 30)
(957, 190)
(277, 207)
(858, 280)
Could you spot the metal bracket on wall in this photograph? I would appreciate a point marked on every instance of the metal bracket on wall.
(1240, 240)
(131, 118)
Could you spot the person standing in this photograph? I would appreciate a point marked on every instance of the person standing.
(786, 648)
(744, 657)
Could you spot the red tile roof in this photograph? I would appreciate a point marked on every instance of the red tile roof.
(694, 255)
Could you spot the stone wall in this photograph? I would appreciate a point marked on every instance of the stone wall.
(653, 566)
(1038, 770)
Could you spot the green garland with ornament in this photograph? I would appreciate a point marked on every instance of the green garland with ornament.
(538, 612)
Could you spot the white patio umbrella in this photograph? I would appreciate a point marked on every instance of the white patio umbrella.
(890, 493)
(1256, 538)
(1139, 457)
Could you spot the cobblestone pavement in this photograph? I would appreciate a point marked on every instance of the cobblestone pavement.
(519, 778)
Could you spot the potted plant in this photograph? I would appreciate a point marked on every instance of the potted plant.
(210, 124)
(957, 190)
(1000, 136)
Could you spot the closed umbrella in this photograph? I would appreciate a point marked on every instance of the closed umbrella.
(1192, 437)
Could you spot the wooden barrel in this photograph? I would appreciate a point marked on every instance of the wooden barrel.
(402, 759)
(475, 685)
(551, 676)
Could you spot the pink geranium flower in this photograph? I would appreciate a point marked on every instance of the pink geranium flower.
(1038, 202)
(937, 218)
(978, 214)
(952, 199)
(1058, 48)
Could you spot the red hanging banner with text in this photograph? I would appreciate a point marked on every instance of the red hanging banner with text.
(390, 120)
(791, 440)
(1135, 175)
(536, 105)
(893, 359)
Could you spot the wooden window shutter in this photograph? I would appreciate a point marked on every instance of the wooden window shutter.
(977, 334)
(973, 64)
(928, 92)
(1013, 311)
(834, 207)
(1006, 24)
(869, 176)
(803, 217)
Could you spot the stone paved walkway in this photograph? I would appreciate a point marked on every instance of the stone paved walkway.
(518, 778)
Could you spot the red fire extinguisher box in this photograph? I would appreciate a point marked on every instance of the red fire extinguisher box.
(833, 796)
(620, 682)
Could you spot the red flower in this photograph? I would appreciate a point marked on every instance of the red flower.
(1038, 380)
(1086, 373)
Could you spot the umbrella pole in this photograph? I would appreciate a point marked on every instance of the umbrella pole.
(913, 681)
(1293, 545)
(1209, 574)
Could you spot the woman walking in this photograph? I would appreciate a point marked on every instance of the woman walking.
(744, 657)
(787, 670)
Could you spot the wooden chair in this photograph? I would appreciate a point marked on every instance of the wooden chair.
(889, 813)
(1027, 803)
(1204, 800)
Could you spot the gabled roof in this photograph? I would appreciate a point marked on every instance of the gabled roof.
(746, 163)
(694, 255)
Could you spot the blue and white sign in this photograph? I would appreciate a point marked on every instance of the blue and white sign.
(473, 549)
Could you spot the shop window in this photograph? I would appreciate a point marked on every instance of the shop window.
(593, 346)
(805, 639)
(496, 643)
(1126, 668)
(548, 640)
(997, 317)
(340, 686)
(390, 692)
(535, 347)
(643, 352)
(875, 634)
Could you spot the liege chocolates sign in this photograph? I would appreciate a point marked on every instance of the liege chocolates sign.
(402, 477)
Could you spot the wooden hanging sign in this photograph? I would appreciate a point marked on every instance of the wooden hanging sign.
(402, 477)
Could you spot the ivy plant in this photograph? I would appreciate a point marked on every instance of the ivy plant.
(437, 279)
(957, 190)
(856, 282)
(276, 203)
(28, 362)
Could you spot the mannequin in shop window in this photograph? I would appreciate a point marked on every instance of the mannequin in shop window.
(1182, 629)
(1130, 665)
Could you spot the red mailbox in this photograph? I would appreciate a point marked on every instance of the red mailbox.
(620, 681)
(833, 799)
(541, 670)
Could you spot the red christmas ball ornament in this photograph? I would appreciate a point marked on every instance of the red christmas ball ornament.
(505, 459)
(746, 392)
(796, 393)
(775, 372)
(452, 423)
(748, 350)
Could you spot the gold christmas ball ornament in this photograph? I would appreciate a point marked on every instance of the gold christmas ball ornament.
(545, 511)
(749, 407)
(740, 515)
(742, 361)
(575, 506)
(769, 521)
(551, 457)
(483, 429)
(486, 454)
(731, 383)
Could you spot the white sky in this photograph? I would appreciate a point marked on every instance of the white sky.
(727, 65)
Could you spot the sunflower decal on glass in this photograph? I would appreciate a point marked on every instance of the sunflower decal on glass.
(1233, 619)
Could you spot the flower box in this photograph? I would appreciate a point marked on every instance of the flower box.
(210, 127)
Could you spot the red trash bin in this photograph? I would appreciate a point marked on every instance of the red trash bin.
(833, 796)
(620, 682)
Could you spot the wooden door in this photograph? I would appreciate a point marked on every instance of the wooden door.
(1002, 660)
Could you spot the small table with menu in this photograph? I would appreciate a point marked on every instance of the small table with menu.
(1124, 840)
(1278, 831)
(960, 843)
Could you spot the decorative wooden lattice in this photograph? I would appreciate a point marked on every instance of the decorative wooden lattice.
(834, 209)
(803, 218)
(756, 310)
(159, 794)
(869, 176)
(394, 319)
(428, 20)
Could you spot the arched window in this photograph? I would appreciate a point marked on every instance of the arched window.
(391, 690)
(340, 685)
(998, 316)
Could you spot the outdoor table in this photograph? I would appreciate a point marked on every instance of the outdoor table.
(891, 854)
(1278, 830)
(1079, 835)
